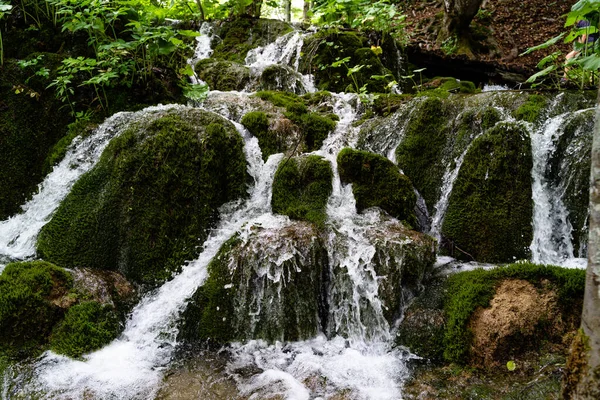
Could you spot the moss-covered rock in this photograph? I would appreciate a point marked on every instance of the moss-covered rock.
(147, 205)
(243, 34)
(274, 135)
(252, 293)
(419, 155)
(377, 182)
(33, 297)
(86, 327)
(301, 188)
(470, 291)
(222, 74)
(31, 122)
(283, 78)
(312, 126)
(531, 109)
(484, 318)
(490, 206)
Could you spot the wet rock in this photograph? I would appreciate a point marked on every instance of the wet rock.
(377, 182)
(491, 198)
(147, 205)
(223, 75)
(265, 284)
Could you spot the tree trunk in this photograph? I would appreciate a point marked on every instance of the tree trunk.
(307, 6)
(288, 10)
(582, 378)
(201, 9)
(457, 17)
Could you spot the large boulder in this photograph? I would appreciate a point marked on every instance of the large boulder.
(301, 188)
(147, 205)
(491, 205)
(377, 182)
(223, 75)
(71, 312)
(268, 283)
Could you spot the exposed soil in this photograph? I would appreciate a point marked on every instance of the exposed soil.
(502, 30)
(512, 320)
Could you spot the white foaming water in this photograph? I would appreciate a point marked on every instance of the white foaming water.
(203, 49)
(328, 367)
(131, 366)
(18, 234)
(285, 51)
(552, 240)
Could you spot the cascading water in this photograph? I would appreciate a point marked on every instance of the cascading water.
(284, 52)
(130, 367)
(202, 50)
(18, 233)
(552, 229)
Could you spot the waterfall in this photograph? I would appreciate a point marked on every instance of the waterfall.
(18, 234)
(552, 229)
(202, 50)
(284, 52)
(131, 366)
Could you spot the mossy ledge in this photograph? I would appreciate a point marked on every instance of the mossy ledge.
(31, 302)
(491, 198)
(147, 205)
(377, 182)
(301, 188)
(439, 324)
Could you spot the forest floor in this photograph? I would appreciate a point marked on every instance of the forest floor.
(502, 30)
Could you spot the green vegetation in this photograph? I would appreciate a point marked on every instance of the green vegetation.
(377, 182)
(86, 327)
(146, 206)
(419, 155)
(467, 291)
(531, 110)
(492, 197)
(30, 305)
(313, 127)
(31, 122)
(301, 188)
(222, 74)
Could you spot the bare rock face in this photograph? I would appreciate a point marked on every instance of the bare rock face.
(518, 316)
(105, 287)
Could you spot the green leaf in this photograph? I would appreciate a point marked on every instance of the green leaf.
(188, 33)
(511, 366)
(543, 72)
(545, 45)
(590, 63)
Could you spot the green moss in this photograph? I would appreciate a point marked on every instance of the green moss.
(530, 110)
(377, 182)
(313, 127)
(146, 206)
(491, 198)
(466, 291)
(489, 118)
(209, 313)
(222, 74)
(58, 151)
(243, 34)
(257, 124)
(28, 311)
(419, 155)
(87, 326)
(301, 188)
